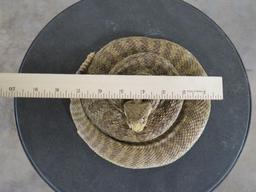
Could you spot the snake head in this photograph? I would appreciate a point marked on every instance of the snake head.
(137, 113)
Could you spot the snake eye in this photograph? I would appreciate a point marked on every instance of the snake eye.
(128, 122)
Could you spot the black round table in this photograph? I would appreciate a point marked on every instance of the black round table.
(49, 136)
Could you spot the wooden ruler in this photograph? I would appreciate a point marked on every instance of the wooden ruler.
(110, 86)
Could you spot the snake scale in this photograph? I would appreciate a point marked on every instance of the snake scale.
(140, 134)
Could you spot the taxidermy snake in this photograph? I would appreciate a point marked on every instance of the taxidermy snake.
(140, 134)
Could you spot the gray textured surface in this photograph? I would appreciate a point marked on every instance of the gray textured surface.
(21, 20)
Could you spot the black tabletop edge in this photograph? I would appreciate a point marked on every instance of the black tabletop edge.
(249, 89)
(16, 99)
(198, 12)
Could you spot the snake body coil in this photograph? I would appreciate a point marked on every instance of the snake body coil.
(140, 133)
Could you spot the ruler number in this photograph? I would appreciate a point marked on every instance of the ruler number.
(163, 91)
(12, 88)
(35, 89)
(100, 91)
(78, 90)
(121, 91)
(57, 89)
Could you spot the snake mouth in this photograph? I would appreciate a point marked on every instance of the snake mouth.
(137, 127)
